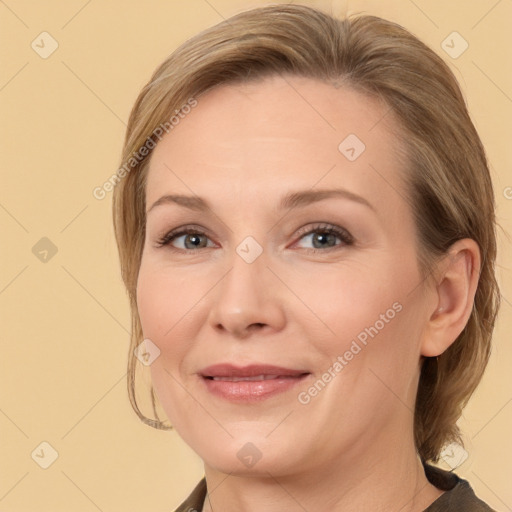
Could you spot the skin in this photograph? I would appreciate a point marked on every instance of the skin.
(242, 148)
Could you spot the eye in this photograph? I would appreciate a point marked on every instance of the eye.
(193, 238)
(323, 237)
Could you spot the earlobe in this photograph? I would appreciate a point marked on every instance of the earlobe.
(455, 291)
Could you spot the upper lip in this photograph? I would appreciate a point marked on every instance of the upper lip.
(253, 370)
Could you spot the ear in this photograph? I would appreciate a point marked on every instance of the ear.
(455, 288)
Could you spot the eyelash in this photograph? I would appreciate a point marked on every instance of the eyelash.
(341, 233)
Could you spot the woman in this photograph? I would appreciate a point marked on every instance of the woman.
(305, 221)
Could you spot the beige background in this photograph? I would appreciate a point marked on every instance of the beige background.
(65, 322)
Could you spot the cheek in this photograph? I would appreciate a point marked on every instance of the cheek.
(367, 317)
(150, 303)
(346, 303)
(166, 318)
(163, 305)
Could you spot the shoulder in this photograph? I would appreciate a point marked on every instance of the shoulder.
(194, 502)
(458, 495)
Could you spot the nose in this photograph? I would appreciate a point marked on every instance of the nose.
(249, 298)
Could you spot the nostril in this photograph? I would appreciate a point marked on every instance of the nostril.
(257, 325)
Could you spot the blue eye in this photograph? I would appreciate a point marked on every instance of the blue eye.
(191, 235)
(323, 237)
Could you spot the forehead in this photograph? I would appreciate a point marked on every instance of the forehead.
(264, 137)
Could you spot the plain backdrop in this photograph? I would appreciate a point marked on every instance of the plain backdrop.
(64, 312)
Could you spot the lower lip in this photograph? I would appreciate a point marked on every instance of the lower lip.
(251, 390)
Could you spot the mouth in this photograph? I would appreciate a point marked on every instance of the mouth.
(241, 379)
(250, 383)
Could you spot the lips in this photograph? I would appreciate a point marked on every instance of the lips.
(250, 383)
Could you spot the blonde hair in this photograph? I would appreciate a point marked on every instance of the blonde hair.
(448, 179)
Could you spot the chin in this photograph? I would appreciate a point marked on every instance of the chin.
(234, 467)
(251, 456)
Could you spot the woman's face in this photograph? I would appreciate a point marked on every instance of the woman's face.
(260, 282)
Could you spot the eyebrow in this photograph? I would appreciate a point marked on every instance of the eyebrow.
(289, 201)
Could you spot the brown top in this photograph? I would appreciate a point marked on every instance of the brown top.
(458, 495)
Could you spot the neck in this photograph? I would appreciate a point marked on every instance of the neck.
(392, 479)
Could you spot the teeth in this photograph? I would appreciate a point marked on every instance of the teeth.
(239, 379)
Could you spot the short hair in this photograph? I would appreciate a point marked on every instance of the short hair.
(447, 175)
